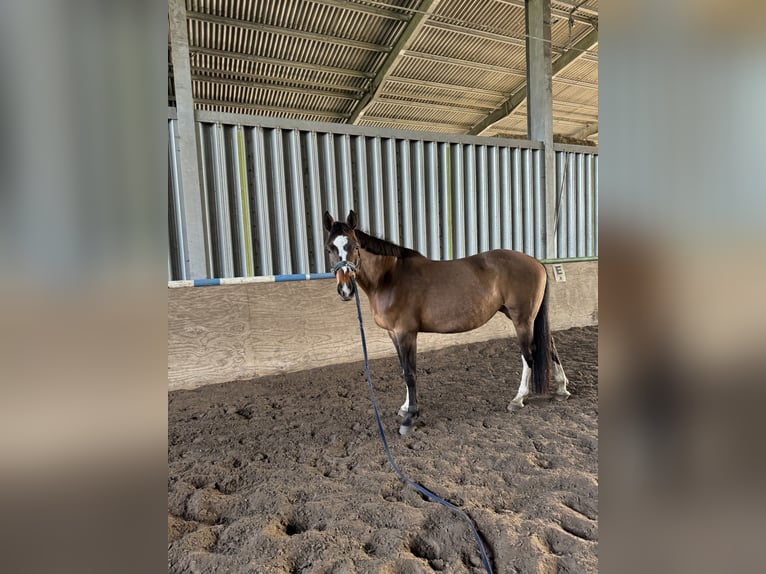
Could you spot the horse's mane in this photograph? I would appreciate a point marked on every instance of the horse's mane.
(382, 247)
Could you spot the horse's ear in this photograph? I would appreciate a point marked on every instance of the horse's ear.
(327, 220)
(351, 220)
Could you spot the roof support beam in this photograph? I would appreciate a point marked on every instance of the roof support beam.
(201, 16)
(193, 240)
(578, 48)
(518, 97)
(410, 32)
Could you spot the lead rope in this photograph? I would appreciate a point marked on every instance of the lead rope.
(421, 489)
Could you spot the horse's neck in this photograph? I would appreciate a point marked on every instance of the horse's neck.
(372, 269)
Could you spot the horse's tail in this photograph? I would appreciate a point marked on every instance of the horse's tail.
(541, 346)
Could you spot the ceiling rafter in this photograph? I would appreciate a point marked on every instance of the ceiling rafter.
(450, 87)
(466, 63)
(450, 106)
(276, 109)
(590, 20)
(250, 84)
(201, 16)
(365, 8)
(278, 62)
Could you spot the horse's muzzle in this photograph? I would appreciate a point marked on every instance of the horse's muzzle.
(346, 285)
(346, 292)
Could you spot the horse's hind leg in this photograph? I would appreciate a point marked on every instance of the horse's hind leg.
(561, 393)
(524, 334)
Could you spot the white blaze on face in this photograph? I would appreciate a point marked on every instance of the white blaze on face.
(340, 242)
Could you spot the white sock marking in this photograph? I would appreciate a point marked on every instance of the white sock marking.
(526, 375)
(405, 407)
(561, 378)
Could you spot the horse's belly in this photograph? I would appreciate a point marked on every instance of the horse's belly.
(458, 318)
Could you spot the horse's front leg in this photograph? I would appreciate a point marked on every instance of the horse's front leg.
(406, 346)
(395, 340)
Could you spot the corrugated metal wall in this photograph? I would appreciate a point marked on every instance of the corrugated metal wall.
(577, 201)
(266, 186)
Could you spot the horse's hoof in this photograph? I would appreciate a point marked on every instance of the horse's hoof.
(515, 405)
(405, 430)
(562, 396)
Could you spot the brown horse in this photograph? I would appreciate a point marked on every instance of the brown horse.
(410, 293)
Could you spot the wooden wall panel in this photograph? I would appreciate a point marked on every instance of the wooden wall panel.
(219, 334)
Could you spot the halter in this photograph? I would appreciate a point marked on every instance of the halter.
(343, 263)
(346, 263)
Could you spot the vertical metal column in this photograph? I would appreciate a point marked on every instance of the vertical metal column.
(185, 142)
(177, 236)
(540, 106)
(539, 206)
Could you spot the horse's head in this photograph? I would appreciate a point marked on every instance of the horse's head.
(343, 247)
